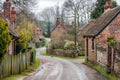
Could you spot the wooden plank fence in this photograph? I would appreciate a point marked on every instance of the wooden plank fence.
(14, 64)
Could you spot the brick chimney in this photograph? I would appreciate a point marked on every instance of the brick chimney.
(57, 21)
(6, 7)
(13, 15)
(108, 5)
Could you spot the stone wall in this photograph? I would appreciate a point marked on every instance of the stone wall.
(117, 64)
(59, 52)
(102, 57)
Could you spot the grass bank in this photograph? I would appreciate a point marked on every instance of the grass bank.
(100, 70)
(26, 72)
(69, 58)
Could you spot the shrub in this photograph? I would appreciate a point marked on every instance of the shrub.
(110, 38)
(5, 37)
(34, 54)
(40, 43)
(69, 45)
(57, 43)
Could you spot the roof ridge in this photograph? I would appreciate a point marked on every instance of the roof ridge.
(103, 21)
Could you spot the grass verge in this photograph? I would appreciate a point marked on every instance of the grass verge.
(26, 72)
(100, 70)
(69, 58)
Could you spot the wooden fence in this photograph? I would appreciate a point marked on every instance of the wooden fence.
(14, 64)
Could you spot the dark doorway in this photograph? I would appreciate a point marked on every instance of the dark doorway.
(87, 49)
(109, 59)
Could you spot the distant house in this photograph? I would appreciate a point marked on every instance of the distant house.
(97, 49)
(9, 15)
(60, 29)
(37, 34)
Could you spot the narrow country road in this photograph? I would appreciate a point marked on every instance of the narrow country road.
(60, 69)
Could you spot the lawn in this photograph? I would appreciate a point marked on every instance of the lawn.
(26, 72)
(100, 70)
(69, 58)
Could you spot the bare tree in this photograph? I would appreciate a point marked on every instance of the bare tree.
(24, 5)
(48, 15)
(79, 10)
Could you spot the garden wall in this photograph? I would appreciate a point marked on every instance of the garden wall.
(102, 57)
(59, 52)
(117, 64)
(102, 60)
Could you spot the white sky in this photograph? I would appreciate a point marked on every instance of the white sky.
(42, 4)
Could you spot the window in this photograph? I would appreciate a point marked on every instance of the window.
(93, 43)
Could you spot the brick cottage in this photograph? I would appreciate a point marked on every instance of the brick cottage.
(97, 49)
(37, 34)
(9, 15)
(60, 29)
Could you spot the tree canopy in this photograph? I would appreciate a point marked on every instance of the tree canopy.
(25, 27)
(99, 8)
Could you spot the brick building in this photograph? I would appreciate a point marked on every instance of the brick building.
(97, 49)
(60, 29)
(9, 15)
(37, 34)
(83, 30)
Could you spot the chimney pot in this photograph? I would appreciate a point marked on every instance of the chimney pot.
(13, 15)
(108, 5)
(6, 7)
(13, 8)
(58, 21)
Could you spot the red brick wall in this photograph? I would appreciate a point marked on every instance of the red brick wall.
(7, 6)
(91, 52)
(13, 15)
(57, 33)
(112, 29)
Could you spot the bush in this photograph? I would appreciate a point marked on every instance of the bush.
(69, 45)
(19, 48)
(80, 50)
(57, 43)
(34, 54)
(40, 43)
(5, 37)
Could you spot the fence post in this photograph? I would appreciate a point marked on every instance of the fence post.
(19, 62)
(11, 64)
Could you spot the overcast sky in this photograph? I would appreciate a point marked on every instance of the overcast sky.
(42, 4)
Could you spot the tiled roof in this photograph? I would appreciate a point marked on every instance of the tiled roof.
(11, 26)
(13, 31)
(102, 22)
(66, 27)
(84, 30)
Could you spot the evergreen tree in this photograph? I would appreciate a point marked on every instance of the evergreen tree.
(99, 8)
(5, 37)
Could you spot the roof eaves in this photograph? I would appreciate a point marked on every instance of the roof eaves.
(107, 24)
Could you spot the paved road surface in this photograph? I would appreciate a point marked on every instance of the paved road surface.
(60, 69)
